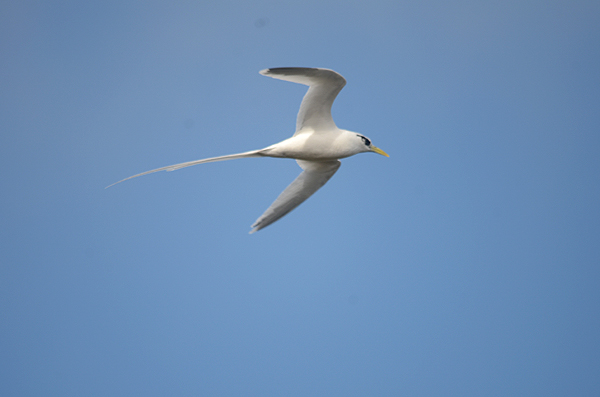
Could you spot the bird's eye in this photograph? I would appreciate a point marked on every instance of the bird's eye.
(365, 140)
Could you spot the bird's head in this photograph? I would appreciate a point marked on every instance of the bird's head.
(366, 145)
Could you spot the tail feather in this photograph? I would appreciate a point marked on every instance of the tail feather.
(252, 153)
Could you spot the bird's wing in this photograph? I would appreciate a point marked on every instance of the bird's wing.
(324, 85)
(252, 153)
(315, 175)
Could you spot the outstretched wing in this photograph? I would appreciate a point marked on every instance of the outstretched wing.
(324, 85)
(315, 175)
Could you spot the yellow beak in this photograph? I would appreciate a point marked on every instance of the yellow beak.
(379, 151)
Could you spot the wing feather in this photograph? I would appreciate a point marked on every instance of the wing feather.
(314, 176)
(324, 86)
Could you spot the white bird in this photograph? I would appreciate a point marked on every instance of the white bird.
(317, 145)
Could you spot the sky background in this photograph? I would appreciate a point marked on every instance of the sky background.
(468, 263)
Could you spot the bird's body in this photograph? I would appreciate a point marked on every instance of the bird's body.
(317, 145)
(312, 146)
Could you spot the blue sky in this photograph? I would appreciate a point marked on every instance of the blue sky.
(465, 264)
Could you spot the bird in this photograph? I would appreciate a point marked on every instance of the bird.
(317, 144)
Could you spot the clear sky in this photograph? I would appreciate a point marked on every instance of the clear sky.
(466, 264)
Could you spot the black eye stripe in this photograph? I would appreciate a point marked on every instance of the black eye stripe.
(365, 140)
